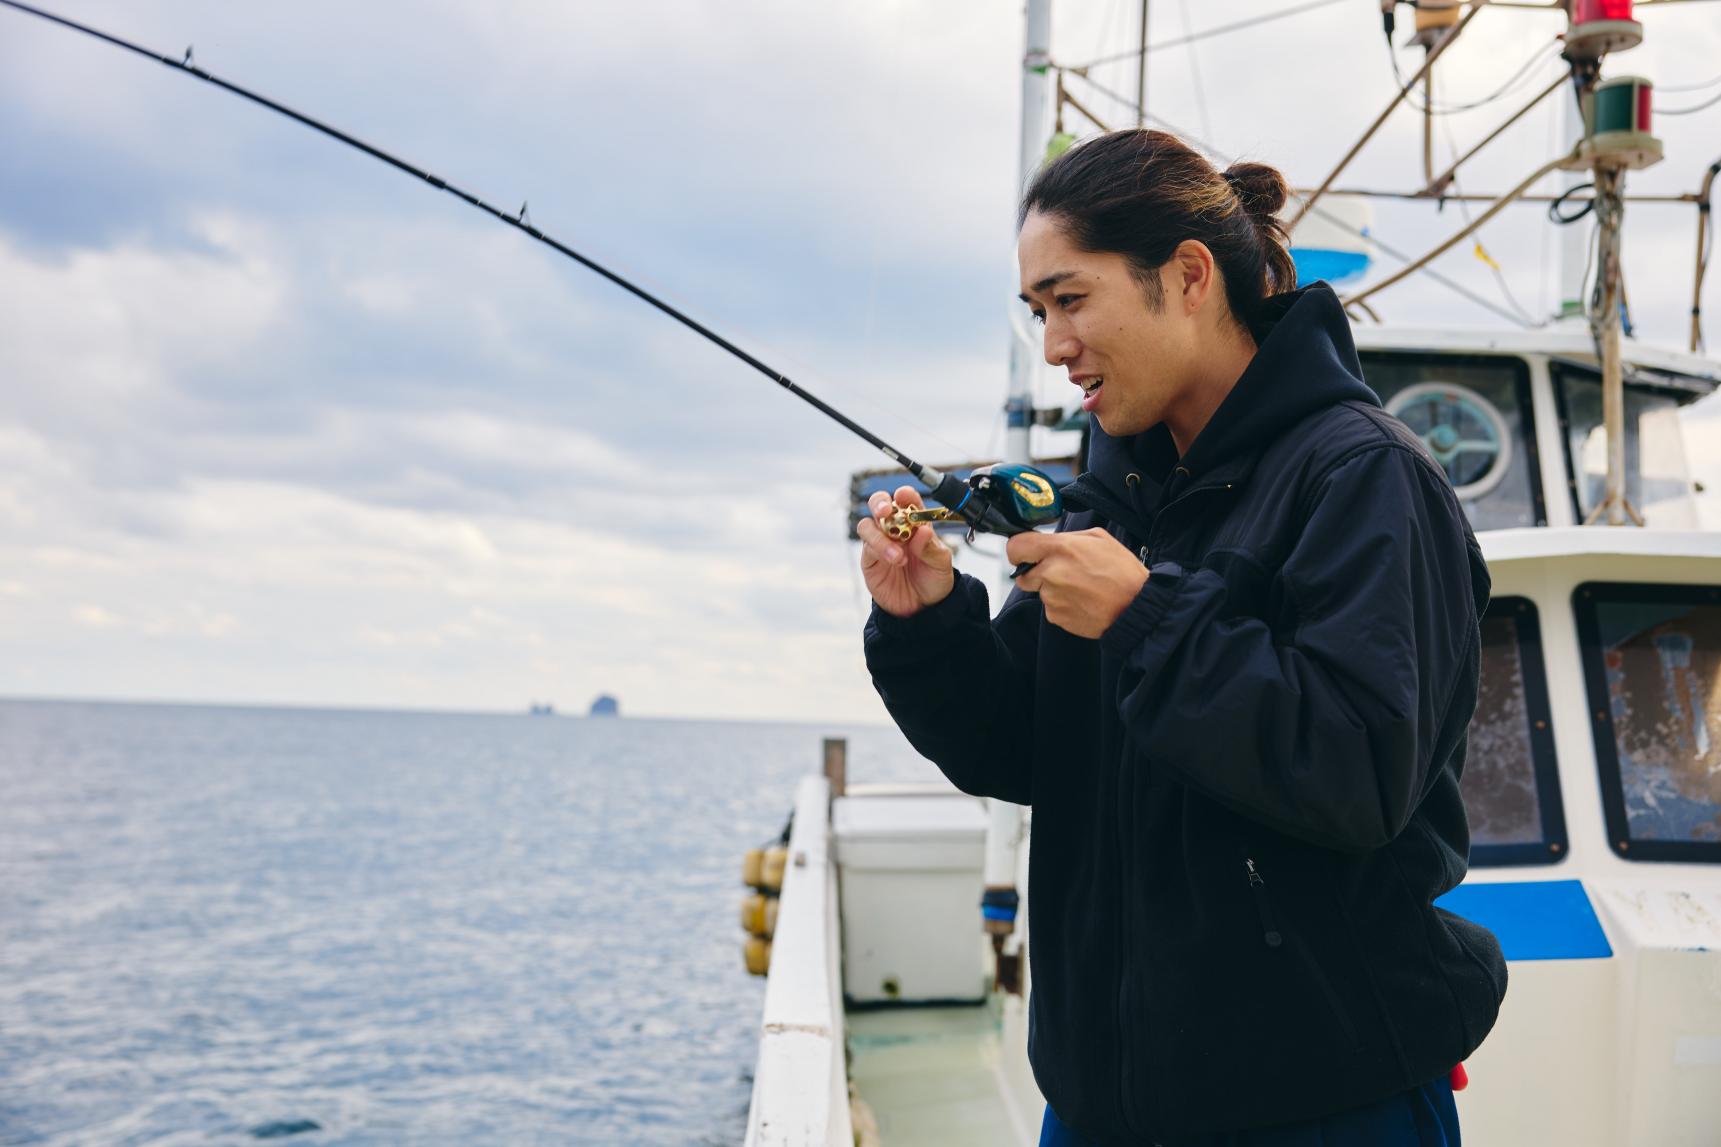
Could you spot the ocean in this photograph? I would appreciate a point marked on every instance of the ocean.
(227, 925)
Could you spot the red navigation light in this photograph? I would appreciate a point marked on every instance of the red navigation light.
(1584, 11)
(1599, 27)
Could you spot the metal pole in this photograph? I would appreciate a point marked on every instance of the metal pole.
(1003, 819)
(1428, 127)
(1036, 86)
(1141, 73)
(837, 764)
(1575, 237)
(1703, 225)
(1610, 215)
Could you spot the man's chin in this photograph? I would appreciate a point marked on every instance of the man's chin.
(1117, 426)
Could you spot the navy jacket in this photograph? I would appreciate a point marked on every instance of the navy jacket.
(1245, 792)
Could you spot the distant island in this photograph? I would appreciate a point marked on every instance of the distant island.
(606, 706)
(544, 710)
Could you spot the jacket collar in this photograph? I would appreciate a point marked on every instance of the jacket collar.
(1305, 361)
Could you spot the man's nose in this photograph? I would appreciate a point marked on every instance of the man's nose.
(1061, 345)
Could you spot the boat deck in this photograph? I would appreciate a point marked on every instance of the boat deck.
(932, 1076)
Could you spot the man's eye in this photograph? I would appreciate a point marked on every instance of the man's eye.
(1066, 300)
(1039, 317)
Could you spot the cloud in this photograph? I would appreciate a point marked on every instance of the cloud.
(280, 424)
(94, 617)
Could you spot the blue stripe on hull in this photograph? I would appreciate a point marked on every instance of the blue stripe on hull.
(1534, 920)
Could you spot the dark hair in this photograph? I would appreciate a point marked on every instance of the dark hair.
(1140, 193)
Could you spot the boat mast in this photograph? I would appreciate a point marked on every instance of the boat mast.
(1036, 91)
(1610, 212)
(1575, 239)
(1004, 820)
(1141, 72)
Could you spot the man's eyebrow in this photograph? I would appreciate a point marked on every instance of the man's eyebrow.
(1048, 281)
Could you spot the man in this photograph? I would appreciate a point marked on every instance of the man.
(1234, 687)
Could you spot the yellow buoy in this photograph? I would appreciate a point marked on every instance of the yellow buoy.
(753, 914)
(758, 955)
(759, 914)
(752, 865)
(776, 858)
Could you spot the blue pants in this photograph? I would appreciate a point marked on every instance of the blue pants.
(1423, 1117)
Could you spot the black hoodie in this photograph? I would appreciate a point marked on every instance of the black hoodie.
(1245, 792)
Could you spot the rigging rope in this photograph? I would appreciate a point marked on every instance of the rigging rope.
(1209, 33)
(1481, 251)
(1498, 205)
(1385, 247)
(1195, 74)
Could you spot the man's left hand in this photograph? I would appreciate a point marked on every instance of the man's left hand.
(1084, 579)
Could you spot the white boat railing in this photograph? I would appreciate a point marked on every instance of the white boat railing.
(800, 1084)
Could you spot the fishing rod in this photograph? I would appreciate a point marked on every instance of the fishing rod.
(1004, 499)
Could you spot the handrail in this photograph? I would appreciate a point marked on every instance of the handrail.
(800, 1083)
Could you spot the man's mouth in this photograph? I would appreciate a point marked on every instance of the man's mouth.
(1090, 390)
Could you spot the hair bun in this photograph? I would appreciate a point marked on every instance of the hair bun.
(1260, 188)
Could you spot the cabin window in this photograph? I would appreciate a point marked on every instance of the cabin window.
(1473, 414)
(1511, 783)
(1657, 482)
(1652, 668)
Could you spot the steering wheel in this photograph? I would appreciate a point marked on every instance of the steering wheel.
(1466, 434)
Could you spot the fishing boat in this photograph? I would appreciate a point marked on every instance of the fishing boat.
(891, 921)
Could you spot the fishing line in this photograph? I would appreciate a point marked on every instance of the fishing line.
(1006, 505)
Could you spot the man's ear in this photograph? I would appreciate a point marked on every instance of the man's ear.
(1194, 272)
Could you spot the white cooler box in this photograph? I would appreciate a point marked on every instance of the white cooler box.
(910, 872)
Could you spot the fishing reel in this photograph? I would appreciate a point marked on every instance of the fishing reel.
(1005, 499)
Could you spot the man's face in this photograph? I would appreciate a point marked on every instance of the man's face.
(1130, 358)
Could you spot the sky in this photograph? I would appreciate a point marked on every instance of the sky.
(280, 425)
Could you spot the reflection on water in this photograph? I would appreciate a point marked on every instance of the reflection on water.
(403, 928)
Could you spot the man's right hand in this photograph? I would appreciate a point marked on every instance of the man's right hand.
(903, 578)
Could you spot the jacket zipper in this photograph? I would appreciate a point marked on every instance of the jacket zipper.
(1276, 939)
(1111, 508)
(1187, 495)
(1258, 886)
(1124, 1028)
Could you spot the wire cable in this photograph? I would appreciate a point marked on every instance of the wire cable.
(1708, 103)
(1195, 75)
(1385, 247)
(1505, 89)
(1209, 33)
(1709, 83)
(1555, 215)
(1498, 206)
(1482, 252)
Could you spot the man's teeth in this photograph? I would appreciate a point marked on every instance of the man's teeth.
(1092, 385)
